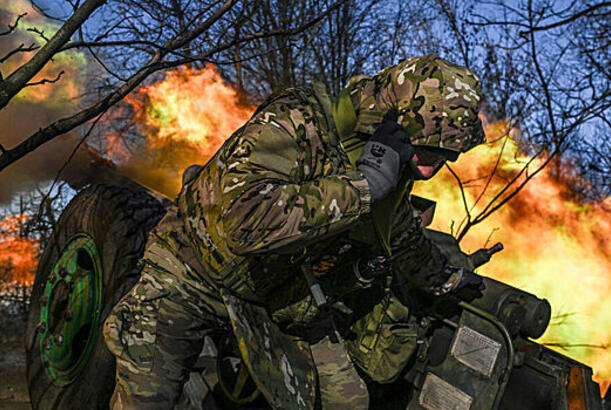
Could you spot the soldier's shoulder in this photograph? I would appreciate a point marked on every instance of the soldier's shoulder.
(289, 97)
(288, 109)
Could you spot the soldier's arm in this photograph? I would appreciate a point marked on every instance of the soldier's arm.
(422, 265)
(272, 197)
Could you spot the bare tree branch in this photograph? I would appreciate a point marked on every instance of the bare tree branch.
(21, 76)
(20, 49)
(38, 32)
(251, 37)
(567, 20)
(95, 44)
(12, 27)
(463, 196)
(46, 80)
(493, 172)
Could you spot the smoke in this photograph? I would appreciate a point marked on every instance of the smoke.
(39, 166)
(39, 105)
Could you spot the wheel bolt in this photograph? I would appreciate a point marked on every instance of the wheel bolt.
(51, 278)
(60, 339)
(68, 315)
(62, 272)
(48, 344)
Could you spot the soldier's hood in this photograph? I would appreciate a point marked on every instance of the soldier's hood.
(437, 101)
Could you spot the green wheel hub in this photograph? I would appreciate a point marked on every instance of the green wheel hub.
(71, 305)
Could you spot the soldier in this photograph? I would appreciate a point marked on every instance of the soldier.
(265, 236)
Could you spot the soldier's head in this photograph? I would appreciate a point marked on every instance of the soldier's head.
(436, 101)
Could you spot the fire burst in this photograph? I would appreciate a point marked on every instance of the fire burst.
(195, 107)
(185, 119)
(18, 254)
(555, 246)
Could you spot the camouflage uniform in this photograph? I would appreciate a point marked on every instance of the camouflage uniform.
(281, 191)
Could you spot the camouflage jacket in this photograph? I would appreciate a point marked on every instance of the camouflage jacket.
(281, 187)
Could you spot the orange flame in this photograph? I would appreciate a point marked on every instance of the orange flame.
(555, 247)
(185, 118)
(195, 107)
(18, 254)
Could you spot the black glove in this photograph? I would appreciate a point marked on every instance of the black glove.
(385, 156)
(463, 283)
(470, 280)
(395, 136)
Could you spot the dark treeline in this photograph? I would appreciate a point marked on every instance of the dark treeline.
(544, 64)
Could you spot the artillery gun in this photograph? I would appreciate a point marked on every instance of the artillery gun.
(475, 355)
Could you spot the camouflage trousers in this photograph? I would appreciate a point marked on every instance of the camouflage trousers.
(157, 331)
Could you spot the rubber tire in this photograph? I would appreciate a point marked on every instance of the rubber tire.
(119, 219)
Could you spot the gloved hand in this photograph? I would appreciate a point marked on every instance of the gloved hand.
(463, 283)
(385, 156)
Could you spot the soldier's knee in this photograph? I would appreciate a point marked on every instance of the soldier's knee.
(130, 331)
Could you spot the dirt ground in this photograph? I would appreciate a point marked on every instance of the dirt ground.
(13, 385)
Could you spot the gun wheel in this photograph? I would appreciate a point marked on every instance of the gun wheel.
(70, 310)
(89, 263)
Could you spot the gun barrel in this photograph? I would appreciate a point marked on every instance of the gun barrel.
(520, 311)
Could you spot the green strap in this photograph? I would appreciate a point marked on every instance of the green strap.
(320, 91)
(340, 112)
(344, 115)
(383, 211)
(345, 119)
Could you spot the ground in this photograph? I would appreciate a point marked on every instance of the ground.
(13, 385)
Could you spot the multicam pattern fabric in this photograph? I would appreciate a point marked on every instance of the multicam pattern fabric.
(279, 190)
(437, 101)
(341, 387)
(157, 330)
(281, 365)
(276, 186)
